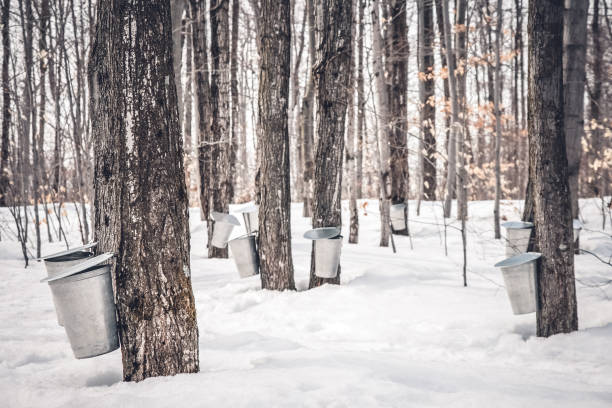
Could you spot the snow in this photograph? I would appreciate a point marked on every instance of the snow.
(400, 331)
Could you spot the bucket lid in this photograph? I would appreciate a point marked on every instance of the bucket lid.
(577, 224)
(322, 233)
(517, 225)
(226, 218)
(518, 259)
(96, 260)
(246, 236)
(68, 251)
(247, 208)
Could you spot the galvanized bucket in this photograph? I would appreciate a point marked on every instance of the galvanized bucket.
(520, 278)
(328, 245)
(577, 228)
(222, 228)
(250, 213)
(517, 236)
(244, 251)
(57, 265)
(397, 214)
(84, 295)
(58, 262)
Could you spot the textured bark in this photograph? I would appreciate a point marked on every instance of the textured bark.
(43, 53)
(427, 94)
(220, 188)
(274, 238)
(141, 211)
(596, 183)
(452, 135)
(307, 118)
(6, 105)
(383, 129)
(202, 93)
(235, 168)
(361, 101)
(557, 312)
(462, 137)
(332, 78)
(574, 77)
(498, 129)
(398, 141)
(176, 10)
(188, 103)
(350, 148)
(443, 67)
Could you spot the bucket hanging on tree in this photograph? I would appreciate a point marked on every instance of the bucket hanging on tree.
(517, 236)
(222, 228)
(244, 252)
(520, 278)
(328, 245)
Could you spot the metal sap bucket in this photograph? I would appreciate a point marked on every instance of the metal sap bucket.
(520, 278)
(397, 214)
(328, 245)
(517, 236)
(250, 213)
(222, 228)
(60, 261)
(84, 296)
(577, 227)
(244, 251)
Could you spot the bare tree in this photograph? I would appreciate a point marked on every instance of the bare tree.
(557, 312)
(427, 100)
(332, 78)
(144, 220)
(274, 238)
(6, 105)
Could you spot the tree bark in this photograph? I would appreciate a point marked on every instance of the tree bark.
(234, 132)
(350, 147)
(557, 312)
(595, 183)
(6, 105)
(274, 238)
(398, 140)
(332, 78)
(141, 210)
(574, 77)
(361, 101)
(427, 95)
(306, 115)
(498, 129)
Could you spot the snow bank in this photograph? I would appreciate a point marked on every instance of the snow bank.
(400, 331)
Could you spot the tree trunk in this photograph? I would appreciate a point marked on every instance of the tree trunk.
(427, 95)
(498, 129)
(307, 118)
(452, 135)
(188, 103)
(557, 312)
(6, 105)
(398, 140)
(382, 102)
(202, 92)
(574, 59)
(234, 142)
(144, 220)
(220, 96)
(176, 10)
(361, 101)
(595, 183)
(350, 147)
(332, 78)
(462, 136)
(274, 238)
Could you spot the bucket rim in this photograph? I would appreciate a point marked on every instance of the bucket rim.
(322, 233)
(88, 273)
(398, 206)
(517, 225)
(247, 208)
(68, 251)
(96, 260)
(83, 255)
(519, 259)
(224, 218)
(245, 236)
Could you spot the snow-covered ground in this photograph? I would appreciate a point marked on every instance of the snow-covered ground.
(400, 331)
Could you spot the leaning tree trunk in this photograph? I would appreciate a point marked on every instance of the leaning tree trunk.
(144, 220)
(274, 238)
(427, 94)
(332, 78)
(557, 312)
(398, 96)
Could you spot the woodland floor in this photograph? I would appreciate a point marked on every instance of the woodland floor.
(400, 331)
